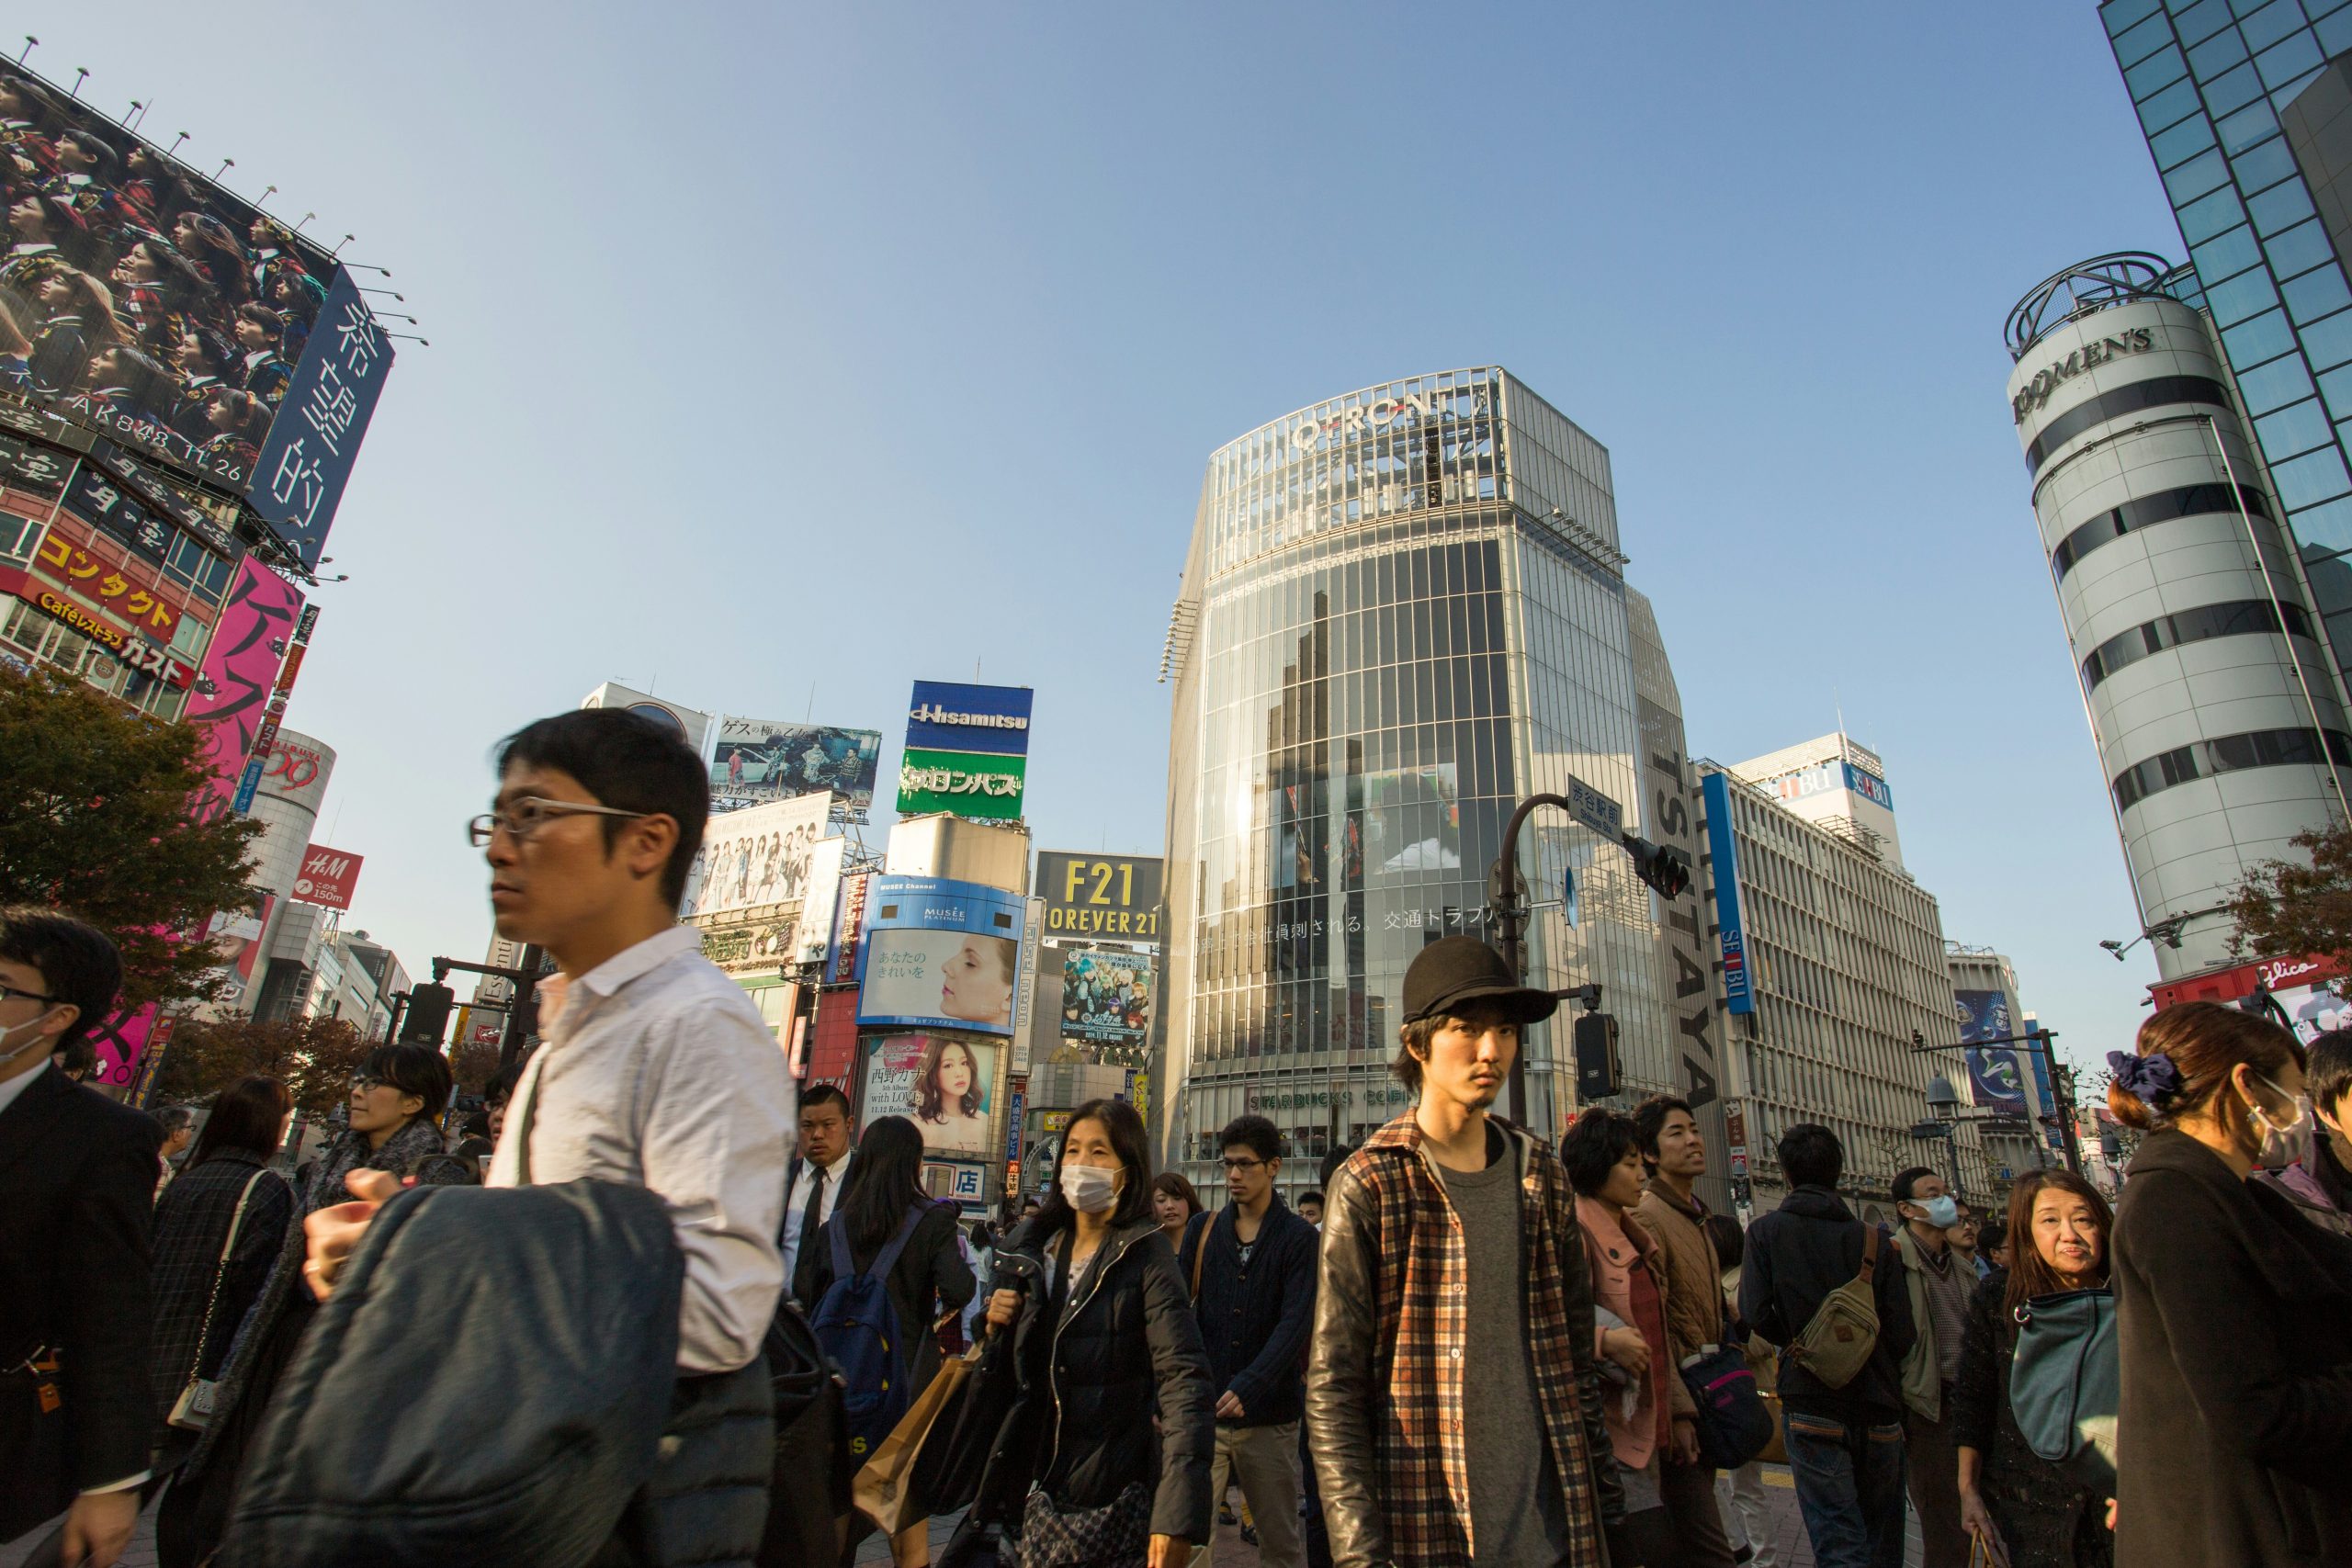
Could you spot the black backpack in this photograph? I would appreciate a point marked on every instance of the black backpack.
(487, 1385)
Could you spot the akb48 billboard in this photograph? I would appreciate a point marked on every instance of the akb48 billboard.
(153, 308)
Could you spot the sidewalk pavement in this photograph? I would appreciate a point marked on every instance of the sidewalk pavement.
(1791, 1549)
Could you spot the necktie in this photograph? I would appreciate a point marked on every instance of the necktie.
(812, 1215)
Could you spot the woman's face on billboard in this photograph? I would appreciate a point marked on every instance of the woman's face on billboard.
(972, 984)
(954, 1073)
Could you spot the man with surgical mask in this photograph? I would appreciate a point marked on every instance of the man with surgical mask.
(78, 1179)
(2313, 1164)
(1939, 1284)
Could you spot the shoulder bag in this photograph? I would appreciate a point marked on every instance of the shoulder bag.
(1838, 1341)
(193, 1410)
(2065, 1384)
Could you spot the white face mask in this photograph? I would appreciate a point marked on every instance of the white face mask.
(2283, 1143)
(9, 1049)
(1090, 1188)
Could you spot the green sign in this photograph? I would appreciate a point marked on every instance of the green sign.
(968, 784)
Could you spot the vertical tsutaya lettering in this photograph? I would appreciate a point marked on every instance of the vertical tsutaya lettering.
(1693, 1014)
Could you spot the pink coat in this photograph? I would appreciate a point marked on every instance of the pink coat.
(1613, 1258)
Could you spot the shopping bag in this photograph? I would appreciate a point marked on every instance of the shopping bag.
(883, 1490)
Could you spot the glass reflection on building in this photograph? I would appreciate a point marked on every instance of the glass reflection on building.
(1403, 611)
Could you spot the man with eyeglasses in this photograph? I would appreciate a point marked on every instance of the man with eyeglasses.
(77, 1178)
(1251, 1268)
(656, 1070)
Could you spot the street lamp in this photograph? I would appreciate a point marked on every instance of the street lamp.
(1944, 1101)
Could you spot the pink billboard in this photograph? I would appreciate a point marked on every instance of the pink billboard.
(232, 689)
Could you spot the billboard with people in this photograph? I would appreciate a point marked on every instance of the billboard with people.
(753, 859)
(939, 954)
(1106, 995)
(146, 302)
(761, 760)
(942, 1083)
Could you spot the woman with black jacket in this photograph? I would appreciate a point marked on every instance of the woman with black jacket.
(2030, 1513)
(2235, 1315)
(930, 1277)
(1103, 1333)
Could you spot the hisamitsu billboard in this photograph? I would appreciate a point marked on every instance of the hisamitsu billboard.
(950, 716)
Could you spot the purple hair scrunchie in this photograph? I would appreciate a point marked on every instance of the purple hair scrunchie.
(2150, 1079)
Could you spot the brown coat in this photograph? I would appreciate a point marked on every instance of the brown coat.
(1694, 1297)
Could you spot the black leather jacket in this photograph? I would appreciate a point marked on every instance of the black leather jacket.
(1089, 1379)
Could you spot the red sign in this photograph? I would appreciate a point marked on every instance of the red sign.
(327, 878)
(2230, 984)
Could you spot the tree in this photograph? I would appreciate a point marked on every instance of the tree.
(2286, 908)
(472, 1064)
(94, 821)
(315, 1057)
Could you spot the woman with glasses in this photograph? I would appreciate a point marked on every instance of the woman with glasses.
(397, 1097)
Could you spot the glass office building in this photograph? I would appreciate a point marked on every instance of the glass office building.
(2244, 106)
(1403, 609)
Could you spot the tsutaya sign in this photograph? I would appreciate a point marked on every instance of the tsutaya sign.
(2036, 393)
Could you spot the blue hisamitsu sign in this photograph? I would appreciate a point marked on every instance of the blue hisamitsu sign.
(951, 717)
(306, 459)
(1739, 986)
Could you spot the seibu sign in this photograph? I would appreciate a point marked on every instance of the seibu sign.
(2050, 377)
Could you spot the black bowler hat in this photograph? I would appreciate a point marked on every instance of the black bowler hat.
(1457, 969)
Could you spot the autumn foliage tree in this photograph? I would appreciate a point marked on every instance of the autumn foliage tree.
(94, 801)
(315, 1057)
(2287, 907)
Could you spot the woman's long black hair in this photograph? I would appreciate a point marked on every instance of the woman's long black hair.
(1125, 1128)
(931, 1100)
(247, 1118)
(886, 1179)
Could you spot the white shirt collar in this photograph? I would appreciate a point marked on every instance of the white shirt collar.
(633, 963)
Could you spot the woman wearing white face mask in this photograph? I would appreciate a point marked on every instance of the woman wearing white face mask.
(1103, 1333)
(2318, 1178)
(2234, 1316)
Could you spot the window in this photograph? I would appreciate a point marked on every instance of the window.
(2189, 500)
(2240, 618)
(2134, 397)
(2258, 748)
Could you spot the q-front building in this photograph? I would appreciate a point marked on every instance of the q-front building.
(1403, 609)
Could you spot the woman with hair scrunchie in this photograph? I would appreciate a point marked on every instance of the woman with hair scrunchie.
(2234, 1316)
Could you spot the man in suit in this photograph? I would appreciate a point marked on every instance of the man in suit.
(77, 1181)
(819, 1171)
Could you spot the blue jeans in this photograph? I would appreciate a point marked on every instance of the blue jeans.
(1849, 1489)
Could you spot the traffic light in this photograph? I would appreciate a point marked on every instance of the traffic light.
(1597, 1072)
(1666, 869)
(428, 1015)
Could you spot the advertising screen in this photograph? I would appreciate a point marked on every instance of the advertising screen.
(1997, 1081)
(1115, 897)
(1106, 995)
(762, 760)
(143, 300)
(939, 954)
(755, 858)
(942, 1083)
(1412, 822)
(232, 688)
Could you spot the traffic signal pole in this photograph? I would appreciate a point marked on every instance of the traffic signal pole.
(1666, 871)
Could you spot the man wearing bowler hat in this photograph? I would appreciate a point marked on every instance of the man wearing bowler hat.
(1451, 1261)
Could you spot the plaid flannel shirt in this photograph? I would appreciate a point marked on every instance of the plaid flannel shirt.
(1421, 1321)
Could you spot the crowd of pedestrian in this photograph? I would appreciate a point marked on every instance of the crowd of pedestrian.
(654, 1325)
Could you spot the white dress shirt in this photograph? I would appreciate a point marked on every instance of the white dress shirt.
(659, 1072)
(796, 1207)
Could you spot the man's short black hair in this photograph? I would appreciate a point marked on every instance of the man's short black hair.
(628, 761)
(1651, 1114)
(824, 1094)
(1253, 1132)
(1810, 1156)
(1310, 1197)
(1595, 1143)
(78, 964)
(501, 1087)
(1907, 1182)
(2327, 1071)
(1332, 1162)
(412, 1069)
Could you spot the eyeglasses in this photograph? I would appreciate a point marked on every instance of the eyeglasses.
(363, 1082)
(528, 814)
(1237, 1167)
(11, 994)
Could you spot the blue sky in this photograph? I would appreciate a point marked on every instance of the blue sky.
(788, 346)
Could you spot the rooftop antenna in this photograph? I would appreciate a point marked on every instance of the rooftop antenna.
(29, 42)
(263, 200)
(306, 218)
(345, 240)
(174, 147)
(810, 716)
(81, 74)
(226, 164)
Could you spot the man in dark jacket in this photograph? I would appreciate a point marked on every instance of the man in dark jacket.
(1845, 1444)
(77, 1182)
(1255, 1262)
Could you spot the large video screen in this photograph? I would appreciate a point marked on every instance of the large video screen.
(142, 300)
(942, 1083)
(761, 760)
(940, 955)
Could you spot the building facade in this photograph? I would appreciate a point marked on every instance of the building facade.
(1403, 609)
(1834, 782)
(1843, 963)
(2194, 622)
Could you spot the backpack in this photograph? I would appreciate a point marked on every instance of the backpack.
(2065, 1384)
(859, 1329)
(1838, 1339)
